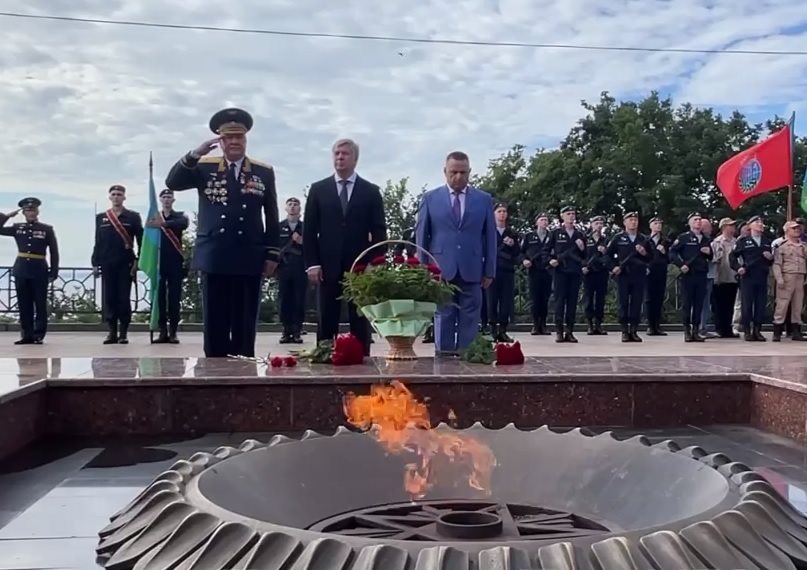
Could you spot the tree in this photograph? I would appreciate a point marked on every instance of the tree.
(400, 207)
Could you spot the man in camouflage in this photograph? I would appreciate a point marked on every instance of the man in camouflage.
(789, 271)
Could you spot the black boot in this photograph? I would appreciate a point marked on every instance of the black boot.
(560, 337)
(172, 334)
(112, 336)
(626, 334)
(688, 334)
(758, 334)
(598, 330)
(797, 333)
(542, 327)
(535, 331)
(285, 338)
(590, 331)
(748, 334)
(777, 332)
(696, 336)
(163, 338)
(634, 333)
(123, 337)
(569, 336)
(503, 336)
(428, 338)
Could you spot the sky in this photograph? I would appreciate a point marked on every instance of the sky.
(84, 104)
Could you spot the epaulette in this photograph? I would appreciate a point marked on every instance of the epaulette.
(210, 159)
(259, 163)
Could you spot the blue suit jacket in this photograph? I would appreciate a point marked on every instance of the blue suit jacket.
(466, 249)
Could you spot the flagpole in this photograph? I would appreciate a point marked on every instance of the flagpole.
(792, 165)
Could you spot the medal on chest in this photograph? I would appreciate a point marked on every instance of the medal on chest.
(216, 189)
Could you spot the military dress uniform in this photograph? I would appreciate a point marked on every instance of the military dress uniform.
(501, 293)
(172, 273)
(31, 272)
(533, 248)
(657, 282)
(562, 246)
(790, 272)
(114, 254)
(292, 281)
(595, 280)
(686, 250)
(623, 252)
(749, 253)
(232, 243)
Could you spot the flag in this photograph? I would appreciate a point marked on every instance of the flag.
(150, 252)
(764, 167)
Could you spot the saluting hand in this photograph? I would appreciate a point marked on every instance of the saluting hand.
(207, 146)
(13, 213)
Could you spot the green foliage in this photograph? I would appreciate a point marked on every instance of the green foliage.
(320, 354)
(400, 207)
(393, 280)
(78, 307)
(642, 155)
(480, 350)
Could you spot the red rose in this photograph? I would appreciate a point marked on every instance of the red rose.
(379, 260)
(509, 354)
(359, 268)
(276, 361)
(413, 261)
(347, 350)
(290, 361)
(398, 259)
(433, 269)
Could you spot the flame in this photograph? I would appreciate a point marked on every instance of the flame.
(399, 422)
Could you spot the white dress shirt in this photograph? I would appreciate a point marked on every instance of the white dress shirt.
(351, 182)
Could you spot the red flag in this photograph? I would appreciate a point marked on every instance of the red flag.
(766, 166)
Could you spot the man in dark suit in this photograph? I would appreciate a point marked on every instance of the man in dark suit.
(238, 235)
(172, 266)
(344, 214)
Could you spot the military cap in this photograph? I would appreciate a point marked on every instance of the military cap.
(792, 224)
(567, 209)
(598, 219)
(542, 215)
(118, 188)
(726, 222)
(656, 219)
(753, 219)
(799, 221)
(293, 200)
(231, 121)
(630, 215)
(500, 205)
(693, 215)
(29, 202)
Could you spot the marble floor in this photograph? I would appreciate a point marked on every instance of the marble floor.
(56, 495)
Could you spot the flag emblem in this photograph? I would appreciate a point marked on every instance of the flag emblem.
(750, 175)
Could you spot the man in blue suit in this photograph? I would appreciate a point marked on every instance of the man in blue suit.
(455, 224)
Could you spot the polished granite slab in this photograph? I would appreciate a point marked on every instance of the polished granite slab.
(56, 495)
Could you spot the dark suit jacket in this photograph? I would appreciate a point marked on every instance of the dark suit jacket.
(333, 240)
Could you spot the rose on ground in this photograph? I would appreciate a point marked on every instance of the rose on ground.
(507, 354)
(290, 361)
(276, 361)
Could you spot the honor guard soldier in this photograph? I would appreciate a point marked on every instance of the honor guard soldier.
(291, 279)
(691, 252)
(501, 293)
(31, 272)
(657, 277)
(595, 276)
(113, 258)
(752, 258)
(533, 255)
(790, 272)
(566, 251)
(629, 254)
(172, 266)
(234, 250)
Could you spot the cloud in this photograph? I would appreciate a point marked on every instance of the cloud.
(84, 104)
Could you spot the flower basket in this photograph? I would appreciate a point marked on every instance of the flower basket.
(398, 296)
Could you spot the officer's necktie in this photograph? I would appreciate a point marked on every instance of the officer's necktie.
(343, 196)
(455, 207)
(232, 178)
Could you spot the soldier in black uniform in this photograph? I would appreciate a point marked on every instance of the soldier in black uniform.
(291, 279)
(595, 277)
(752, 258)
(566, 251)
(533, 255)
(31, 272)
(113, 258)
(691, 252)
(234, 250)
(657, 277)
(172, 266)
(629, 254)
(501, 293)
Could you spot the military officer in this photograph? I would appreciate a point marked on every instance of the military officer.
(657, 277)
(238, 236)
(172, 266)
(533, 258)
(566, 251)
(501, 293)
(595, 276)
(752, 258)
(291, 279)
(790, 272)
(629, 254)
(31, 272)
(113, 258)
(691, 252)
